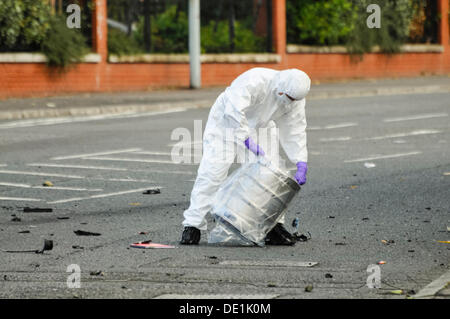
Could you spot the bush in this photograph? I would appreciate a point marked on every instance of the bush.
(169, 31)
(215, 38)
(23, 24)
(120, 43)
(61, 45)
(396, 18)
(320, 22)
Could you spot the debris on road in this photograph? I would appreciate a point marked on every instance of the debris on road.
(143, 233)
(328, 275)
(397, 292)
(47, 184)
(37, 210)
(16, 219)
(135, 204)
(48, 245)
(24, 232)
(369, 165)
(387, 242)
(148, 245)
(77, 247)
(365, 218)
(62, 218)
(152, 191)
(85, 233)
(381, 262)
(353, 187)
(444, 241)
(340, 244)
(309, 288)
(97, 273)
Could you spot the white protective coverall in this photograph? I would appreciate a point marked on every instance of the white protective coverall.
(249, 103)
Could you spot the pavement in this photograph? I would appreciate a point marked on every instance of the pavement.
(133, 102)
(376, 204)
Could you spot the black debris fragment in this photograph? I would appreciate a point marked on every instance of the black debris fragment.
(77, 247)
(152, 191)
(97, 273)
(340, 244)
(85, 233)
(328, 276)
(365, 218)
(309, 288)
(63, 217)
(16, 219)
(48, 245)
(331, 217)
(37, 210)
(24, 232)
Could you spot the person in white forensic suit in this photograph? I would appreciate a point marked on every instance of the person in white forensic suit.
(253, 99)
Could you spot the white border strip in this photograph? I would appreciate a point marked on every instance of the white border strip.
(375, 157)
(103, 195)
(127, 150)
(415, 117)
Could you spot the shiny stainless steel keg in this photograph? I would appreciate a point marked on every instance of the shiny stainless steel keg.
(252, 200)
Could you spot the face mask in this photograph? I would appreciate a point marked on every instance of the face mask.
(283, 99)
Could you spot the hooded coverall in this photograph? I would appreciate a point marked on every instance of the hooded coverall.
(254, 98)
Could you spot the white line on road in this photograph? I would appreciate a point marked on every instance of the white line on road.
(413, 133)
(434, 287)
(336, 139)
(140, 160)
(40, 174)
(153, 153)
(110, 168)
(78, 119)
(78, 166)
(3, 165)
(331, 126)
(415, 117)
(128, 150)
(52, 187)
(21, 199)
(75, 176)
(102, 195)
(375, 157)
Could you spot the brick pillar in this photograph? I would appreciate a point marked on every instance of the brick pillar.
(279, 27)
(443, 7)
(100, 29)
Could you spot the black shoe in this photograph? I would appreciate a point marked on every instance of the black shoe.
(280, 236)
(191, 236)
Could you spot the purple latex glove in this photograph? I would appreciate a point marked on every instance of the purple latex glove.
(255, 148)
(300, 176)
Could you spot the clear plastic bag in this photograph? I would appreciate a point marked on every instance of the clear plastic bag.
(250, 203)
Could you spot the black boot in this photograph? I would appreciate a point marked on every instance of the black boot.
(191, 236)
(280, 236)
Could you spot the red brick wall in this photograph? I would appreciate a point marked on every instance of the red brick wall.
(31, 79)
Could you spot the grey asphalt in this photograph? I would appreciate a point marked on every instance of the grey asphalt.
(347, 208)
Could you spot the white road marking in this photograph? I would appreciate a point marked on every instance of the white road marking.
(128, 150)
(186, 143)
(434, 287)
(110, 168)
(413, 133)
(140, 160)
(3, 165)
(78, 166)
(78, 119)
(342, 125)
(75, 176)
(40, 174)
(21, 199)
(415, 117)
(375, 157)
(102, 195)
(153, 153)
(52, 188)
(336, 139)
(269, 263)
(331, 126)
